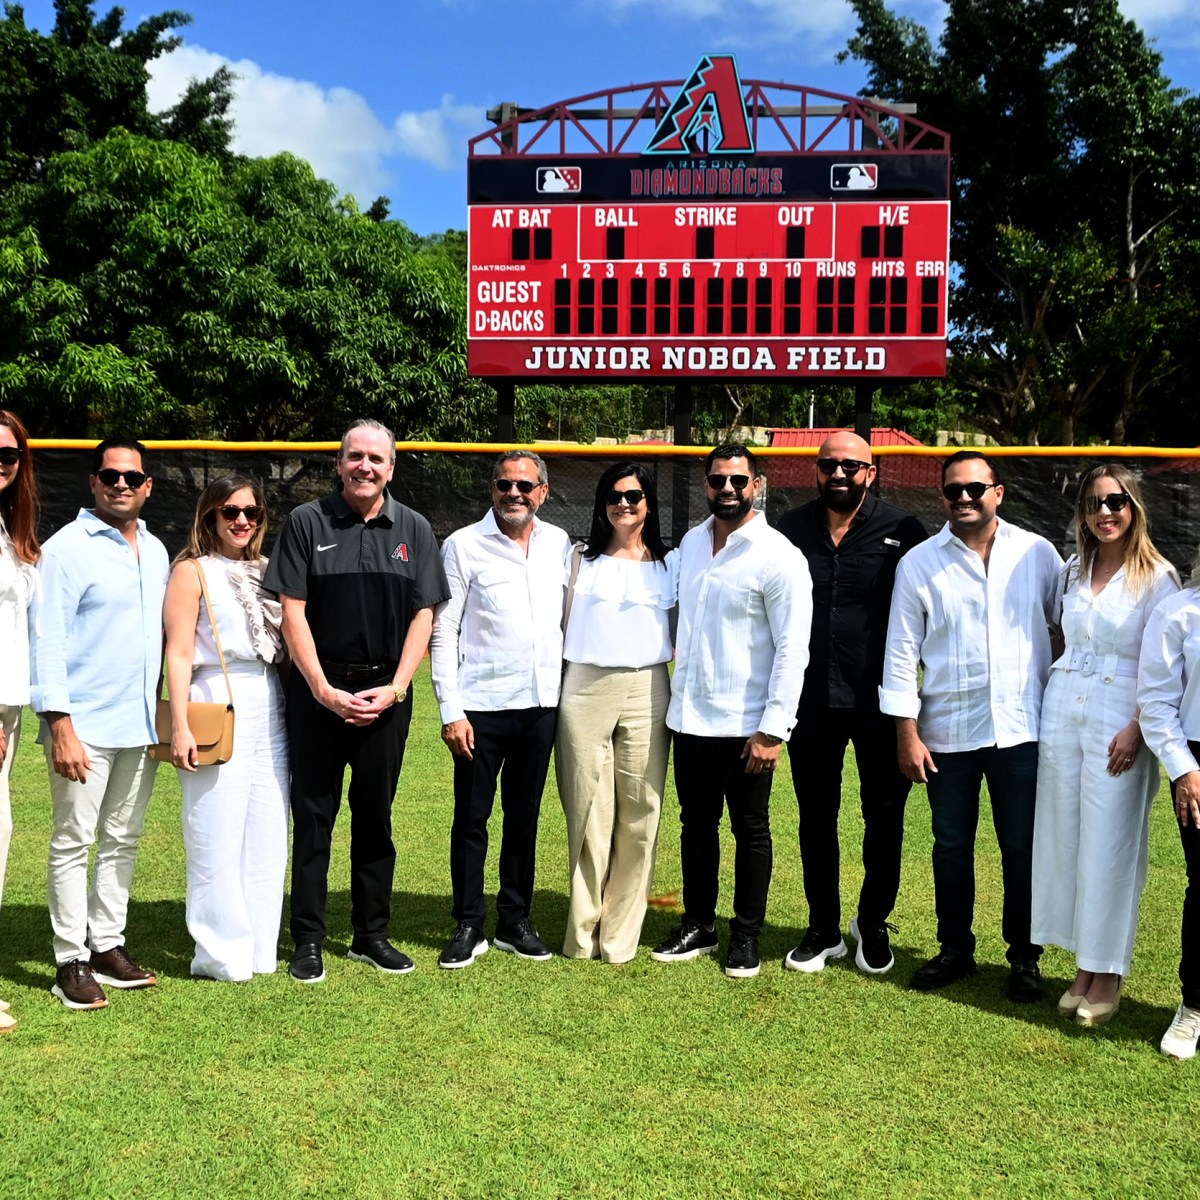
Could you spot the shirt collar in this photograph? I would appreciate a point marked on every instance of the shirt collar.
(342, 510)
(492, 528)
(93, 525)
(752, 528)
(944, 537)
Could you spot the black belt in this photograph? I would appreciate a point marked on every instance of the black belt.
(340, 672)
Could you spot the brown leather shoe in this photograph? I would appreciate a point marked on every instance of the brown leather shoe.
(76, 986)
(118, 970)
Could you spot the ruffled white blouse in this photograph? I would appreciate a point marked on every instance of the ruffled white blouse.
(17, 582)
(620, 612)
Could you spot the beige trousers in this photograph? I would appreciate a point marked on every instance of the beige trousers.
(611, 764)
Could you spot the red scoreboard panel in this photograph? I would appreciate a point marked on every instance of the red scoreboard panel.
(682, 287)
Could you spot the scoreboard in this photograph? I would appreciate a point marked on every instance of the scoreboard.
(754, 266)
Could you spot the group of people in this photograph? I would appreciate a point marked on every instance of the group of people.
(973, 654)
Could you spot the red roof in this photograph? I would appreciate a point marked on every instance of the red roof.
(814, 437)
(895, 470)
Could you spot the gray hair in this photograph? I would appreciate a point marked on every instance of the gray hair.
(514, 455)
(368, 423)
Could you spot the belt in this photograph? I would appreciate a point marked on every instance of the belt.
(1108, 665)
(356, 672)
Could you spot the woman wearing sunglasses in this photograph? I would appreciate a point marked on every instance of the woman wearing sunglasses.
(19, 550)
(612, 744)
(1096, 778)
(235, 816)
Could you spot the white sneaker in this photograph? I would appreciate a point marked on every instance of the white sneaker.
(1180, 1039)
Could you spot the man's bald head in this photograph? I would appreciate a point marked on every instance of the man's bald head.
(845, 444)
(844, 471)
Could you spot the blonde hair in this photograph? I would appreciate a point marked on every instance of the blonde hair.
(1142, 558)
(202, 537)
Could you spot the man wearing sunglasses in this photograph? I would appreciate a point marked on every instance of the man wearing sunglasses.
(974, 606)
(496, 656)
(358, 575)
(745, 608)
(96, 663)
(853, 541)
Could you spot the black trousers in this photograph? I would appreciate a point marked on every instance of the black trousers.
(1189, 960)
(817, 750)
(322, 746)
(709, 773)
(512, 747)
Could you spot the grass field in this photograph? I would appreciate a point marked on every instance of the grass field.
(575, 1078)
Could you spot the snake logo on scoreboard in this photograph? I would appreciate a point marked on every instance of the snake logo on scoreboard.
(709, 102)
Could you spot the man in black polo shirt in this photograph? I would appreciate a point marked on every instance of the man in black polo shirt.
(358, 575)
(853, 541)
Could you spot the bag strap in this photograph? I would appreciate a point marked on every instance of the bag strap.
(216, 631)
(576, 559)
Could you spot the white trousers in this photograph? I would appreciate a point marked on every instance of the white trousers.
(235, 830)
(1090, 832)
(611, 764)
(109, 809)
(10, 719)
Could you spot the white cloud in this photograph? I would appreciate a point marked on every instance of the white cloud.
(436, 136)
(758, 22)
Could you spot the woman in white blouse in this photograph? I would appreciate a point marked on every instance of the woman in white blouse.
(19, 551)
(235, 816)
(612, 744)
(1096, 778)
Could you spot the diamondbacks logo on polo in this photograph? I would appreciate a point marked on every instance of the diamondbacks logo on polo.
(709, 102)
(401, 552)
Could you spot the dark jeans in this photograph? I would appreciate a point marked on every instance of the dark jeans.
(817, 749)
(709, 771)
(321, 747)
(513, 747)
(1011, 776)
(1189, 960)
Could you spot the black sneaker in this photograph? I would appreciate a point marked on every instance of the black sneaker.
(307, 965)
(687, 940)
(742, 960)
(815, 951)
(942, 969)
(382, 955)
(1025, 981)
(467, 944)
(520, 938)
(874, 954)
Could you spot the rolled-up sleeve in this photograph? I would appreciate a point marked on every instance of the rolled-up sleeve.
(898, 694)
(1164, 679)
(55, 603)
(443, 645)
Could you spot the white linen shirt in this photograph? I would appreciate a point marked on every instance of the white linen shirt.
(1169, 682)
(17, 585)
(982, 635)
(745, 615)
(497, 642)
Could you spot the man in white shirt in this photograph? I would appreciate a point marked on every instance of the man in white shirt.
(974, 606)
(745, 611)
(496, 654)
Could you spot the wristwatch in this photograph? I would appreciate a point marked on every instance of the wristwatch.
(770, 738)
(399, 693)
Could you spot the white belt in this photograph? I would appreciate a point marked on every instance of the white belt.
(1108, 665)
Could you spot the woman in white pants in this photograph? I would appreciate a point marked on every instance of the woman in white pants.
(235, 816)
(19, 550)
(612, 743)
(1096, 778)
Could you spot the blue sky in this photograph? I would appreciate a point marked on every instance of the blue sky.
(382, 97)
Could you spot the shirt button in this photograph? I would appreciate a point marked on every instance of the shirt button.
(1078, 699)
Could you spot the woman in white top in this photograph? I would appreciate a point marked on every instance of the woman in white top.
(612, 744)
(1096, 778)
(235, 816)
(19, 551)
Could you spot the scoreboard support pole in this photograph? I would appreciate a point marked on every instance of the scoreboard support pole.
(506, 407)
(682, 469)
(863, 394)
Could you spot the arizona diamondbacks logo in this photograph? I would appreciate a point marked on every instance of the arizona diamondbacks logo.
(709, 102)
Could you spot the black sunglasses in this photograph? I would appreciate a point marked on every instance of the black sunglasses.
(111, 477)
(524, 486)
(253, 513)
(718, 482)
(1114, 502)
(633, 497)
(850, 466)
(10, 455)
(975, 489)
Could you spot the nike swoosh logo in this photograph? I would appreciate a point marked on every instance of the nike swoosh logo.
(329, 547)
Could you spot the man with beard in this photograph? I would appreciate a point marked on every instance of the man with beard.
(745, 608)
(852, 541)
(974, 606)
(497, 664)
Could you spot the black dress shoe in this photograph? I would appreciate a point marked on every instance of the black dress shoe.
(1025, 981)
(689, 939)
(520, 938)
(942, 969)
(307, 965)
(381, 954)
(467, 944)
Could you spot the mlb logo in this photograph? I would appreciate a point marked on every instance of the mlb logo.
(853, 177)
(559, 179)
(401, 552)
